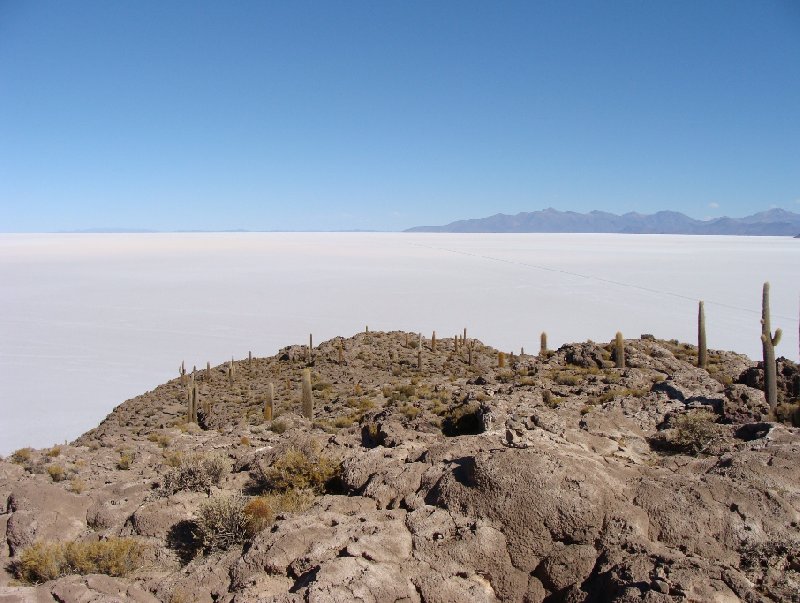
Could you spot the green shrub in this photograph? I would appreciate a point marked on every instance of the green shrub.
(222, 522)
(295, 470)
(694, 432)
(42, 561)
(197, 473)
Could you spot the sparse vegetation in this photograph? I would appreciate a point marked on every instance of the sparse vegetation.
(296, 470)
(56, 472)
(44, 561)
(222, 522)
(694, 432)
(22, 456)
(197, 473)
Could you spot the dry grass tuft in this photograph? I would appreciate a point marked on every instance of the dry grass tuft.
(43, 561)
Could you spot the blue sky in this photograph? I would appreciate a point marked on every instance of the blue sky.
(385, 115)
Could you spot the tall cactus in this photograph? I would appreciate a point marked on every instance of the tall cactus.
(433, 342)
(543, 343)
(208, 370)
(269, 402)
(308, 399)
(501, 360)
(191, 400)
(702, 351)
(340, 353)
(768, 343)
(619, 350)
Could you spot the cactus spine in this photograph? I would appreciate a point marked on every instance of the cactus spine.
(269, 402)
(619, 351)
(308, 399)
(543, 343)
(702, 352)
(768, 343)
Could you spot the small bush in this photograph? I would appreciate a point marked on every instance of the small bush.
(41, 561)
(343, 421)
(160, 439)
(222, 522)
(125, 460)
(788, 413)
(694, 432)
(279, 427)
(56, 472)
(54, 451)
(565, 378)
(262, 510)
(77, 485)
(22, 456)
(550, 400)
(297, 471)
(197, 473)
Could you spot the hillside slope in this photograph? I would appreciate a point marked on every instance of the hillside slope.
(555, 477)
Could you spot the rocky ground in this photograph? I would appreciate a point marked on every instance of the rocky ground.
(555, 478)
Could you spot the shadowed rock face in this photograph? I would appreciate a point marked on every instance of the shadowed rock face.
(568, 480)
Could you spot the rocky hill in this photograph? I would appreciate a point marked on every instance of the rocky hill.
(774, 222)
(475, 476)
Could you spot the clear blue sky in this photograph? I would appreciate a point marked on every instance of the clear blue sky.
(385, 115)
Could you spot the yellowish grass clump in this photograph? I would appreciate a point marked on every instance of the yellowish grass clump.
(43, 561)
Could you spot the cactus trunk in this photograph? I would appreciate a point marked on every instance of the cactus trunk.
(768, 343)
(619, 350)
(543, 343)
(702, 352)
(308, 399)
(269, 402)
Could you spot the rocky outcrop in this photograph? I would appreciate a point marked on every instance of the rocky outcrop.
(537, 482)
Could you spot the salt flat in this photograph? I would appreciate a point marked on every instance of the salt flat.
(90, 320)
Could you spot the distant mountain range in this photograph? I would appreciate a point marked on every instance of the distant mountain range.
(773, 222)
